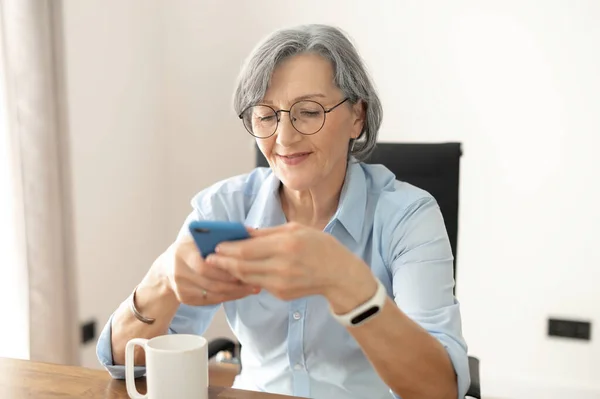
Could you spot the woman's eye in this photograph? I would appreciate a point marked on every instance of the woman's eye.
(310, 113)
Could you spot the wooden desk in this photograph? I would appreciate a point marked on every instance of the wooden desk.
(25, 379)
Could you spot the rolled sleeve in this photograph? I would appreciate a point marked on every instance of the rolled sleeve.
(105, 357)
(187, 320)
(446, 328)
(421, 264)
(457, 350)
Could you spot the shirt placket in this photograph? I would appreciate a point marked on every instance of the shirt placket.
(300, 378)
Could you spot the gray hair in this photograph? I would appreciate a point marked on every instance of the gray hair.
(351, 75)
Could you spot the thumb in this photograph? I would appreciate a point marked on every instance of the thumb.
(267, 231)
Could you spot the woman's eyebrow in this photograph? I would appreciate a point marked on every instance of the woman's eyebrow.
(308, 96)
(300, 98)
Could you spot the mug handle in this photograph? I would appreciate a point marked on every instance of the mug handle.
(129, 363)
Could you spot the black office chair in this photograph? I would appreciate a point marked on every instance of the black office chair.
(431, 166)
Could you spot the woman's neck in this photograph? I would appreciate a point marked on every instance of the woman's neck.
(316, 206)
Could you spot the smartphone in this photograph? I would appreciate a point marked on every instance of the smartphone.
(208, 234)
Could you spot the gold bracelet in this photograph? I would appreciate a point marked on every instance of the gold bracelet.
(134, 310)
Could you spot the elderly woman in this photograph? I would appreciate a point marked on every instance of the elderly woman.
(345, 287)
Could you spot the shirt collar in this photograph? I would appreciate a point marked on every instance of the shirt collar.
(266, 210)
(353, 200)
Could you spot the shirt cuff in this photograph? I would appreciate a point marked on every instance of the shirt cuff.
(104, 354)
(460, 361)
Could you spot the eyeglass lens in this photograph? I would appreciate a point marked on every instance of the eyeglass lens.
(307, 117)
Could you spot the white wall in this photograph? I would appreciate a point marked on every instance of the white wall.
(114, 75)
(515, 81)
(203, 49)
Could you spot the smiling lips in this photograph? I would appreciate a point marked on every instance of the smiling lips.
(293, 159)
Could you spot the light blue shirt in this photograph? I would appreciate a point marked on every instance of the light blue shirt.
(296, 347)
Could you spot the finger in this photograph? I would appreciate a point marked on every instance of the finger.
(261, 280)
(242, 269)
(197, 296)
(222, 288)
(269, 230)
(185, 236)
(221, 298)
(216, 274)
(191, 256)
(257, 248)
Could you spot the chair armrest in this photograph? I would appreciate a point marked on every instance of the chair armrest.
(220, 344)
(474, 389)
(222, 374)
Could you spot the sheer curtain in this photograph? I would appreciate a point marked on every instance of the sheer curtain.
(38, 182)
(14, 337)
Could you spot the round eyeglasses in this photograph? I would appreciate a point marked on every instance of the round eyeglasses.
(307, 117)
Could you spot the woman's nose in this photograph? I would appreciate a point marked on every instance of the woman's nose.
(286, 133)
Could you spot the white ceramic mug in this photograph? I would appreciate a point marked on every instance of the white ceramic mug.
(176, 367)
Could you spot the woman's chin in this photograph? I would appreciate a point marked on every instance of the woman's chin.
(296, 181)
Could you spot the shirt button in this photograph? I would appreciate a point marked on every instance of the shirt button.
(298, 366)
(297, 315)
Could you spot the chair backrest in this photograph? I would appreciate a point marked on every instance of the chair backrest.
(434, 167)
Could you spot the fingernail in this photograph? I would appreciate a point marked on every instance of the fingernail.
(210, 259)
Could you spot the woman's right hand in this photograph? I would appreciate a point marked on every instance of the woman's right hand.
(196, 283)
(178, 275)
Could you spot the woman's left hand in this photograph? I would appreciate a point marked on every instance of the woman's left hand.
(293, 261)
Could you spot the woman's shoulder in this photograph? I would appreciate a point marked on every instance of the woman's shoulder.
(395, 202)
(391, 194)
(404, 215)
(230, 198)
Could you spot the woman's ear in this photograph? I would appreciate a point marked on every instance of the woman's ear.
(359, 113)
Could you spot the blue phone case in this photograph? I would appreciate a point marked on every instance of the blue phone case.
(208, 234)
